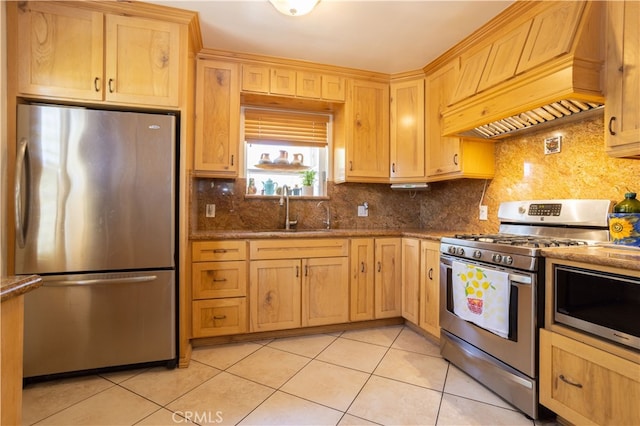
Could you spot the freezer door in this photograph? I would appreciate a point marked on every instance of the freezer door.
(94, 190)
(82, 322)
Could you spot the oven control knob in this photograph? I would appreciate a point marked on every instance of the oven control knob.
(477, 254)
(497, 258)
(451, 250)
(460, 251)
(508, 260)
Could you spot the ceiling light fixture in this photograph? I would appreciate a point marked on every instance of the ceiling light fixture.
(294, 7)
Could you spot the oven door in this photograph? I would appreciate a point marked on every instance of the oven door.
(519, 350)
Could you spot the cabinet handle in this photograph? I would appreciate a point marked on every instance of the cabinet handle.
(430, 274)
(96, 85)
(379, 266)
(362, 269)
(350, 166)
(219, 317)
(219, 250)
(232, 159)
(393, 167)
(570, 382)
(306, 270)
(455, 159)
(611, 120)
(110, 85)
(297, 271)
(219, 280)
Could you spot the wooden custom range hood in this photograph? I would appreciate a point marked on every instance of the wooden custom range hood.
(543, 65)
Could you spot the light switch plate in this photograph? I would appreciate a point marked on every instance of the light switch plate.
(211, 210)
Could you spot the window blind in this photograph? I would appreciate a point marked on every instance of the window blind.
(277, 127)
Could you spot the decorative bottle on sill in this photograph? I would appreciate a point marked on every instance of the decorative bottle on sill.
(251, 189)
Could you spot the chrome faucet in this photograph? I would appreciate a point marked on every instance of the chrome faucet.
(327, 221)
(285, 197)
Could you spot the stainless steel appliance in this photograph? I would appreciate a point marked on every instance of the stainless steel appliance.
(95, 216)
(599, 303)
(508, 365)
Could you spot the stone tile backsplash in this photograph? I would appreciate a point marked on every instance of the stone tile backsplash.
(581, 169)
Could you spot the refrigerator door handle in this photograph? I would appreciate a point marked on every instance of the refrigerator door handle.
(120, 280)
(21, 227)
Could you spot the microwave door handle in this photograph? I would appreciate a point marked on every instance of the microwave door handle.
(124, 280)
(21, 226)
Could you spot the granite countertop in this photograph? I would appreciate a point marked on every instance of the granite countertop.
(18, 285)
(605, 255)
(318, 233)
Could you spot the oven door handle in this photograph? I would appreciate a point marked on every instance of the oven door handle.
(520, 279)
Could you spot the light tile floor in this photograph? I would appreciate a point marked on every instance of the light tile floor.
(388, 375)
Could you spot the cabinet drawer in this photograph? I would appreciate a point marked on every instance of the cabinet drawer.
(208, 251)
(587, 385)
(220, 316)
(298, 248)
(219, 279)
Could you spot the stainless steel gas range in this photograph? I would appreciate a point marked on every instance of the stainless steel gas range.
(492, 292)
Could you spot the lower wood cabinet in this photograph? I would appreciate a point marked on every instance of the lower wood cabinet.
(587, 385)
(298, 283)
(375, 278)
(411, 279)
(430, 287)
(218, 288)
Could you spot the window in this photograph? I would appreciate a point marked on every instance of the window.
(281, 146)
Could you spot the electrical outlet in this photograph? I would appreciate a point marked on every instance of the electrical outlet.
(211, 210)
(363, 211)
(484, 213)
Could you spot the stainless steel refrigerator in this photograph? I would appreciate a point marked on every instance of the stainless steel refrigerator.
(95, 217)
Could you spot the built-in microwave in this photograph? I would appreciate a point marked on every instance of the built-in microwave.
(606, 305)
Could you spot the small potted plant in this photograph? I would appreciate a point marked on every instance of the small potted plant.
(308, 178)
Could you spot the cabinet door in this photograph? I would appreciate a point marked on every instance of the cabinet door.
(283, 82)
(275, 294)
(255, 78)
(325, 291)
(362, 276)
(411, 279)
(333, 88)
(471, 67)
(430, 287)
(308, 84)
(142, 61)
(443, 153)
(61, 51)
(622, 103)
(217, 138)
(388, 278)
(368, 131)
(586, 385)
(407, 129)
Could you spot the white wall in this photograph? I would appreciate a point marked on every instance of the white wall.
(3, 139)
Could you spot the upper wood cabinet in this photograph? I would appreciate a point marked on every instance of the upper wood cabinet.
(64, 54)
(290, 82)
(451, 157)
(622, 103)
(217, 138)
(361, 142)
(406, 123)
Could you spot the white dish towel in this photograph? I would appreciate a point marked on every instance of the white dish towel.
(482, 296)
